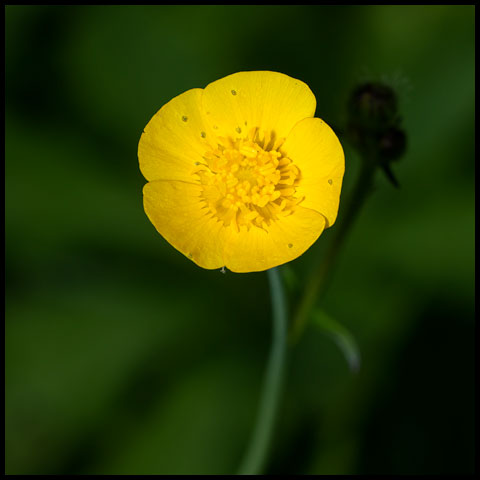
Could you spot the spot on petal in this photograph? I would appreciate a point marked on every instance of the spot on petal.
(330, 181)
(234, 92)
(290, 245)
(184, 118)
(203, 134)
(238, 130)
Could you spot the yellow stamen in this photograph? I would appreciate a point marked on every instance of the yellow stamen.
(247, 183)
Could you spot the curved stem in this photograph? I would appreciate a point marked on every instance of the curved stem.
(318, 281)
(257, 452)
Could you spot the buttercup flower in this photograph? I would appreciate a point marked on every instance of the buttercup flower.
(240, 174)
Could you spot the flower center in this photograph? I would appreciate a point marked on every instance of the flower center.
(248, 182)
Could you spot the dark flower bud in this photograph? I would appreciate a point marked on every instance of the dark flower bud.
(372, 106)
(373, 126)
(392, 144)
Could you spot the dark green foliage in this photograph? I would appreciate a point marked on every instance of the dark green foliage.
(124, 357)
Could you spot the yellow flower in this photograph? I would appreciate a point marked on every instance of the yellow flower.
(240, 173)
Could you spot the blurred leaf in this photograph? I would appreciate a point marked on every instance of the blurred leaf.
(341, 336)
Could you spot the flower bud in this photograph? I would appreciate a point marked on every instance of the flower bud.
(374, 126)
(392, 144)
(373, 106)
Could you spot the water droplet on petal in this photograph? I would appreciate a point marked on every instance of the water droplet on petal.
(330, 181)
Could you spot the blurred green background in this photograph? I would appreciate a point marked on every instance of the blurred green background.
(122, 356)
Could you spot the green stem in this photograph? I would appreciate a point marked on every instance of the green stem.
(318, 281)
(256, 456)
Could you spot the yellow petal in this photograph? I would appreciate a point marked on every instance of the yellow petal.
(316, 151)
(285, 239)
(175, 139)
(269, 100)
(175, 209)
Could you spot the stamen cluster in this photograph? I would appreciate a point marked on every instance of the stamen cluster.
(248, 182)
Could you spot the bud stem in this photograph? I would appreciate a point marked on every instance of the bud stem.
(319, 278)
